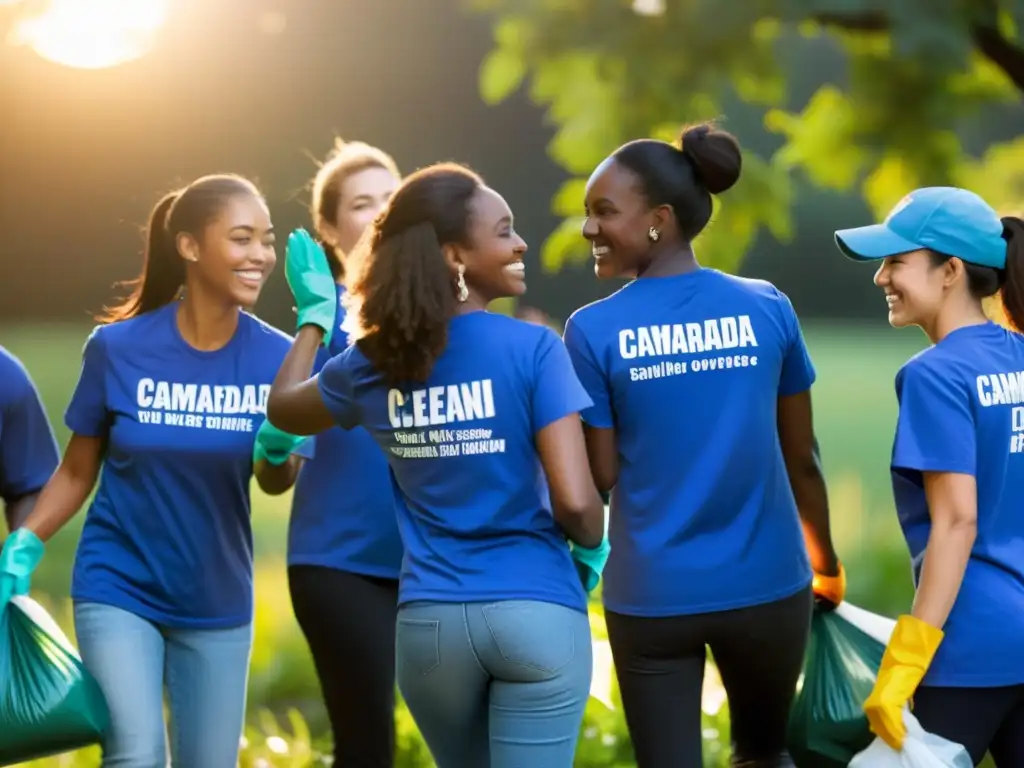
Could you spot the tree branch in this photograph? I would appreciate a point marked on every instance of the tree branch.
(1001, 52)
(1005, 54)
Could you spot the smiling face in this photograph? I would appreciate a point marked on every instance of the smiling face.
(494, 258)
(361, 196)
(618, 221)
(915, 287)
(234, 255)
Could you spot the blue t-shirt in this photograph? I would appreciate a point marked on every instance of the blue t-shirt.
(343, 512)
(961, 409)
(473, 504)
(688, 371)
(28, 451)
(168, 535)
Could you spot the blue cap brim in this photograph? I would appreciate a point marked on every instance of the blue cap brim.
(871, 243)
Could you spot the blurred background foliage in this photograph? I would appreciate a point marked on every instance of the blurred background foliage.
(843, 106)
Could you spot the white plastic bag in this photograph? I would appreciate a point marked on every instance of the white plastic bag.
(879, 628)
(920, 750)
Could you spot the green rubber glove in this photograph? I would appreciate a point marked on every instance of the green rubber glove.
(19, 557)
(312, 284)
(590, 562)
(273, 445)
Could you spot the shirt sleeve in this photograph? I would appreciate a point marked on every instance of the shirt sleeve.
(86, 414)
(28, 450)
(935, 429)
(798, 372)
(591, 376)
(336, 388)
(557, 391)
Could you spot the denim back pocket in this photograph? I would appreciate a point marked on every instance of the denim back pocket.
(418, 645)
(533, 635)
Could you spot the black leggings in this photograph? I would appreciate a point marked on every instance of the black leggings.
(982, 719)
(759, 652)
(349, 623)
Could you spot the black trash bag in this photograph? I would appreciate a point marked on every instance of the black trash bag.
(49, 703)
(827, 724)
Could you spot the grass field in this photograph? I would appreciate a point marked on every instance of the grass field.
(854, 411)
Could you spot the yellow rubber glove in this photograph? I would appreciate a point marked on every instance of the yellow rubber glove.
(830, 590)
(907, 658)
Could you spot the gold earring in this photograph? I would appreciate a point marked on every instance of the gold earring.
(460, 283)
(653, 234)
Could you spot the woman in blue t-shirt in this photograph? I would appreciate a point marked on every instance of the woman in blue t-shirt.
(957, 471)
(172, 391)
(344, 550)
(478, 414)
(701, 429)
(28, 452)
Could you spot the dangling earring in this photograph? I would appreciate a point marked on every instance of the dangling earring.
(460, 283)
(653, 234)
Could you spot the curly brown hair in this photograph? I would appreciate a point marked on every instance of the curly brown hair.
(401, 292)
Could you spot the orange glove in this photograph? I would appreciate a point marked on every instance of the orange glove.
(907, 658)
(830, 590)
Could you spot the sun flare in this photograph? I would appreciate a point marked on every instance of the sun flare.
(96, 34)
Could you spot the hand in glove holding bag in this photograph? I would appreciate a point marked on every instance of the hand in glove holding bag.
(19, 557)
(906, 660)
(311, 282)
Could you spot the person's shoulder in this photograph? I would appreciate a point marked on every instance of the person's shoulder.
(935, 364)
(510, 327)
(514, 339)
(751, 286)
(132, 331)
(14, 375)
(11, 365)
(599, 309)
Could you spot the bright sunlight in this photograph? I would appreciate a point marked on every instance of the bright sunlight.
(92, 34)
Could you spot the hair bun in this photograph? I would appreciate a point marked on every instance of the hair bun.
(715, 155)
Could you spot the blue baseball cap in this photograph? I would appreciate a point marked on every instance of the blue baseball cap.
(948, 220)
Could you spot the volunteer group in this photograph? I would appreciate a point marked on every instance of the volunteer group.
(450, 467)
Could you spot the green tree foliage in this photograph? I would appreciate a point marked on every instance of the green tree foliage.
(916, 73)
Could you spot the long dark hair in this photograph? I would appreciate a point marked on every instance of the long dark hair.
(187, 210)
(402, 291)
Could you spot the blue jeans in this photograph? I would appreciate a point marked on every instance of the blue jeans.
(204, 672)
(495, 685)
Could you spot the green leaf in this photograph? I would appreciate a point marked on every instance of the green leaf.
(604, 74)
(998, 176)
(888, 183)
(568, 200)
(501, 74)
(565, 245)
(820, 140)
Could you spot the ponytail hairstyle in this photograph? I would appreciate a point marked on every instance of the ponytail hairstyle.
(185, 211)
(1011, 289)
(706, 162)
(401, 291)
(345, 159)
(1005, 285)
